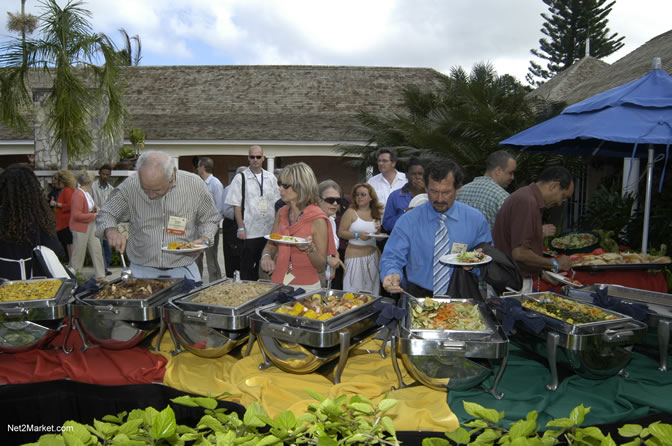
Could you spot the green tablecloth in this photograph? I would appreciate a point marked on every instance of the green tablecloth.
(645, 391)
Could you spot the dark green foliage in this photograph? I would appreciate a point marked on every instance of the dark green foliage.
(567, 26)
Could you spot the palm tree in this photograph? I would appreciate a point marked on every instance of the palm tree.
(68, 53)
(128, 56)
(22, 22)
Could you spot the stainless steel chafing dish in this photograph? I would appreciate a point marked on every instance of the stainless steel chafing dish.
(451, 359)
(210, 330)
(30, 324)
(594, 350)
(658, 319)
(120, 323)
(301, 345)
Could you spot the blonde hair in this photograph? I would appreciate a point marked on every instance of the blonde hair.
(302, 179)
(66, 178)
(84, 178)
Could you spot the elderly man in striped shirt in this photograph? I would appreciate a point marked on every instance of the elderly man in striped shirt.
(162, 205)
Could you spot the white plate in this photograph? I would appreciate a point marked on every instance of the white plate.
(562, 279)
(184, 251)
(377, 235)
(292, 241)
(451, 259)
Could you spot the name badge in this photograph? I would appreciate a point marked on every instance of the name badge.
(263, 205)
(458, 248)
(176, 225)
(288, 278)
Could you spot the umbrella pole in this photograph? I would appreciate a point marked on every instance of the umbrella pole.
(647, 203)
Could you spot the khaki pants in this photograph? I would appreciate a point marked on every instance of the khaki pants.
(82, 240)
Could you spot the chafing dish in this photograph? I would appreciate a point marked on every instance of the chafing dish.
(120, 323)
(447, 359)
(30, 324)
(594, 350)
(301, 345)
(658, 318)
(210, 330)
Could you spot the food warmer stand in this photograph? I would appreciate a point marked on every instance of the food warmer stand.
(27, 324)
(445, 359)
(302, 345)
(658, 318)
(119, 324)
(211, 330)
(594, 350)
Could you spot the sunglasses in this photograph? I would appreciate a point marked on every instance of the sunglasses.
(255, 157)
(362, 194)
(284, 186)
(332, 200)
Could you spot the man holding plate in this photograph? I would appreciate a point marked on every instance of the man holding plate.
(162, 205)
(423, 235)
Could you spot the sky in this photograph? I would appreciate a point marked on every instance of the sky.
(439, 34)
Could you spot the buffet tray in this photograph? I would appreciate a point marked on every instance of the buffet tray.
(620, 267)
(442, 334)
(38, 309)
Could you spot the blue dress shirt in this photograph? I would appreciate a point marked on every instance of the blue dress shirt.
(411, 244)
(397, 203)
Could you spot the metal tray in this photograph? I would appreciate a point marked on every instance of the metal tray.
(434, 334)
(344, 319)
(620, 267)
(38, 309)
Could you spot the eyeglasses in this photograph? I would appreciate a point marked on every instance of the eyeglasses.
(332, 200)
(255, 157)
(361, 194)
(284, 186)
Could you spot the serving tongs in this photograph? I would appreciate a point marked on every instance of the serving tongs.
(542, 300)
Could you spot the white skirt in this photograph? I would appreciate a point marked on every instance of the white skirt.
(361, 274)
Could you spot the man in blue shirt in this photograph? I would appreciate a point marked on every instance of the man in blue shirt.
(398, 201)
(411, 244)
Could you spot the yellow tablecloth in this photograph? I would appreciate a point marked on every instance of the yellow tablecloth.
(368, 375)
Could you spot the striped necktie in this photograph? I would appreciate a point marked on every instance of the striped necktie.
(441, 271)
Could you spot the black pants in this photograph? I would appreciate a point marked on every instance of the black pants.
(232, 247)
(249, 259)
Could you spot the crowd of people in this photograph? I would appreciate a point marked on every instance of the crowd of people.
(285, 225)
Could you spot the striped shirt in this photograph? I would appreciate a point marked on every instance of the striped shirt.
(188, 198)
(484, 194)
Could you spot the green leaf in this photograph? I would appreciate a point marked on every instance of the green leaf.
(478, 411)
(130, 427)
(476, 424)
(561, 422)
(356, 439)
(460, 436)
(607, 441)
(210, 422)
(286, 420)
(636, 442)
(119, 418)
(578, 414)
(522, 428)
(361, 407)
(269, 439)
(106, 429)
(150, 414)
(326, 440)
(164, 424)
(386, 404)
(251, 418)
(315, 395)
(435, 442)
(225, 439)
(662, 432)
(592, 431)
(488, 436)
(388, 424)
(630, 430)
(76, 433)
(49, 440)
(136, 414)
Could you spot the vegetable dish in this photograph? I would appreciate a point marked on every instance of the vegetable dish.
(17, 291)
(436, 315)
(132, 289)
(568, 310)
(312, 307)
(231, 294)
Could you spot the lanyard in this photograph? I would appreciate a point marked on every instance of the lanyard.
(261, 184)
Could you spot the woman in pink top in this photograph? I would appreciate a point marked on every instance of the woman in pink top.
(83, 227)
(299, 264)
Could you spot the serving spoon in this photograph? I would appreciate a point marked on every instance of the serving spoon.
(126, 272)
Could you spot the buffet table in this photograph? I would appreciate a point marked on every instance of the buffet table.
(644, 280)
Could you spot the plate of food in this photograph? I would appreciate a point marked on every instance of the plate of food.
(288, 239)
(575, 242)
(377, 235)
(183, 247)
(466, 258)
(564, 279)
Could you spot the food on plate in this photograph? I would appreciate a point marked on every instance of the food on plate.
(313, 307)
(16, 291)
(568, 310)
(574, 241)
(283, 238)
(436, 315)
(231, 294)
(275, 236)
(471, 257)
(183, 245)
(132, 289)
(614, 258)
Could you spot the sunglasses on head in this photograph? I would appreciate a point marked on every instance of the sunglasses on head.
(332, 200)
(255, 157)
(284, 186)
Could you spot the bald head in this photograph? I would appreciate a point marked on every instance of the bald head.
(156, 173)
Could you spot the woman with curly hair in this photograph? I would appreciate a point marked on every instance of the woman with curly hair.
(26, 221)
(360, 221)
(65, 180)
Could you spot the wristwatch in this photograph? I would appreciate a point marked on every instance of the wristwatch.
(556, 267)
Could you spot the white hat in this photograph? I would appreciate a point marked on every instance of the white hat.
(418, 200)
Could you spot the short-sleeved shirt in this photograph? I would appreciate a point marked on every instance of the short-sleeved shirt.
(518, 224)
(259, 217)
(484, 194)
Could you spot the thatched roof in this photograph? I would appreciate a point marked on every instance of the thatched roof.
(296, 103)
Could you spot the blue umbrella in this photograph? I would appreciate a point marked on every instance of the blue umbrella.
(612, 123)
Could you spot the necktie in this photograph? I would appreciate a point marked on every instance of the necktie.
(441, 271)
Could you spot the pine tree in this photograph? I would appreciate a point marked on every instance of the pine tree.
(569, 24)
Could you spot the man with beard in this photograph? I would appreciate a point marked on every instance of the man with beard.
(424, 234)
(162, 205)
